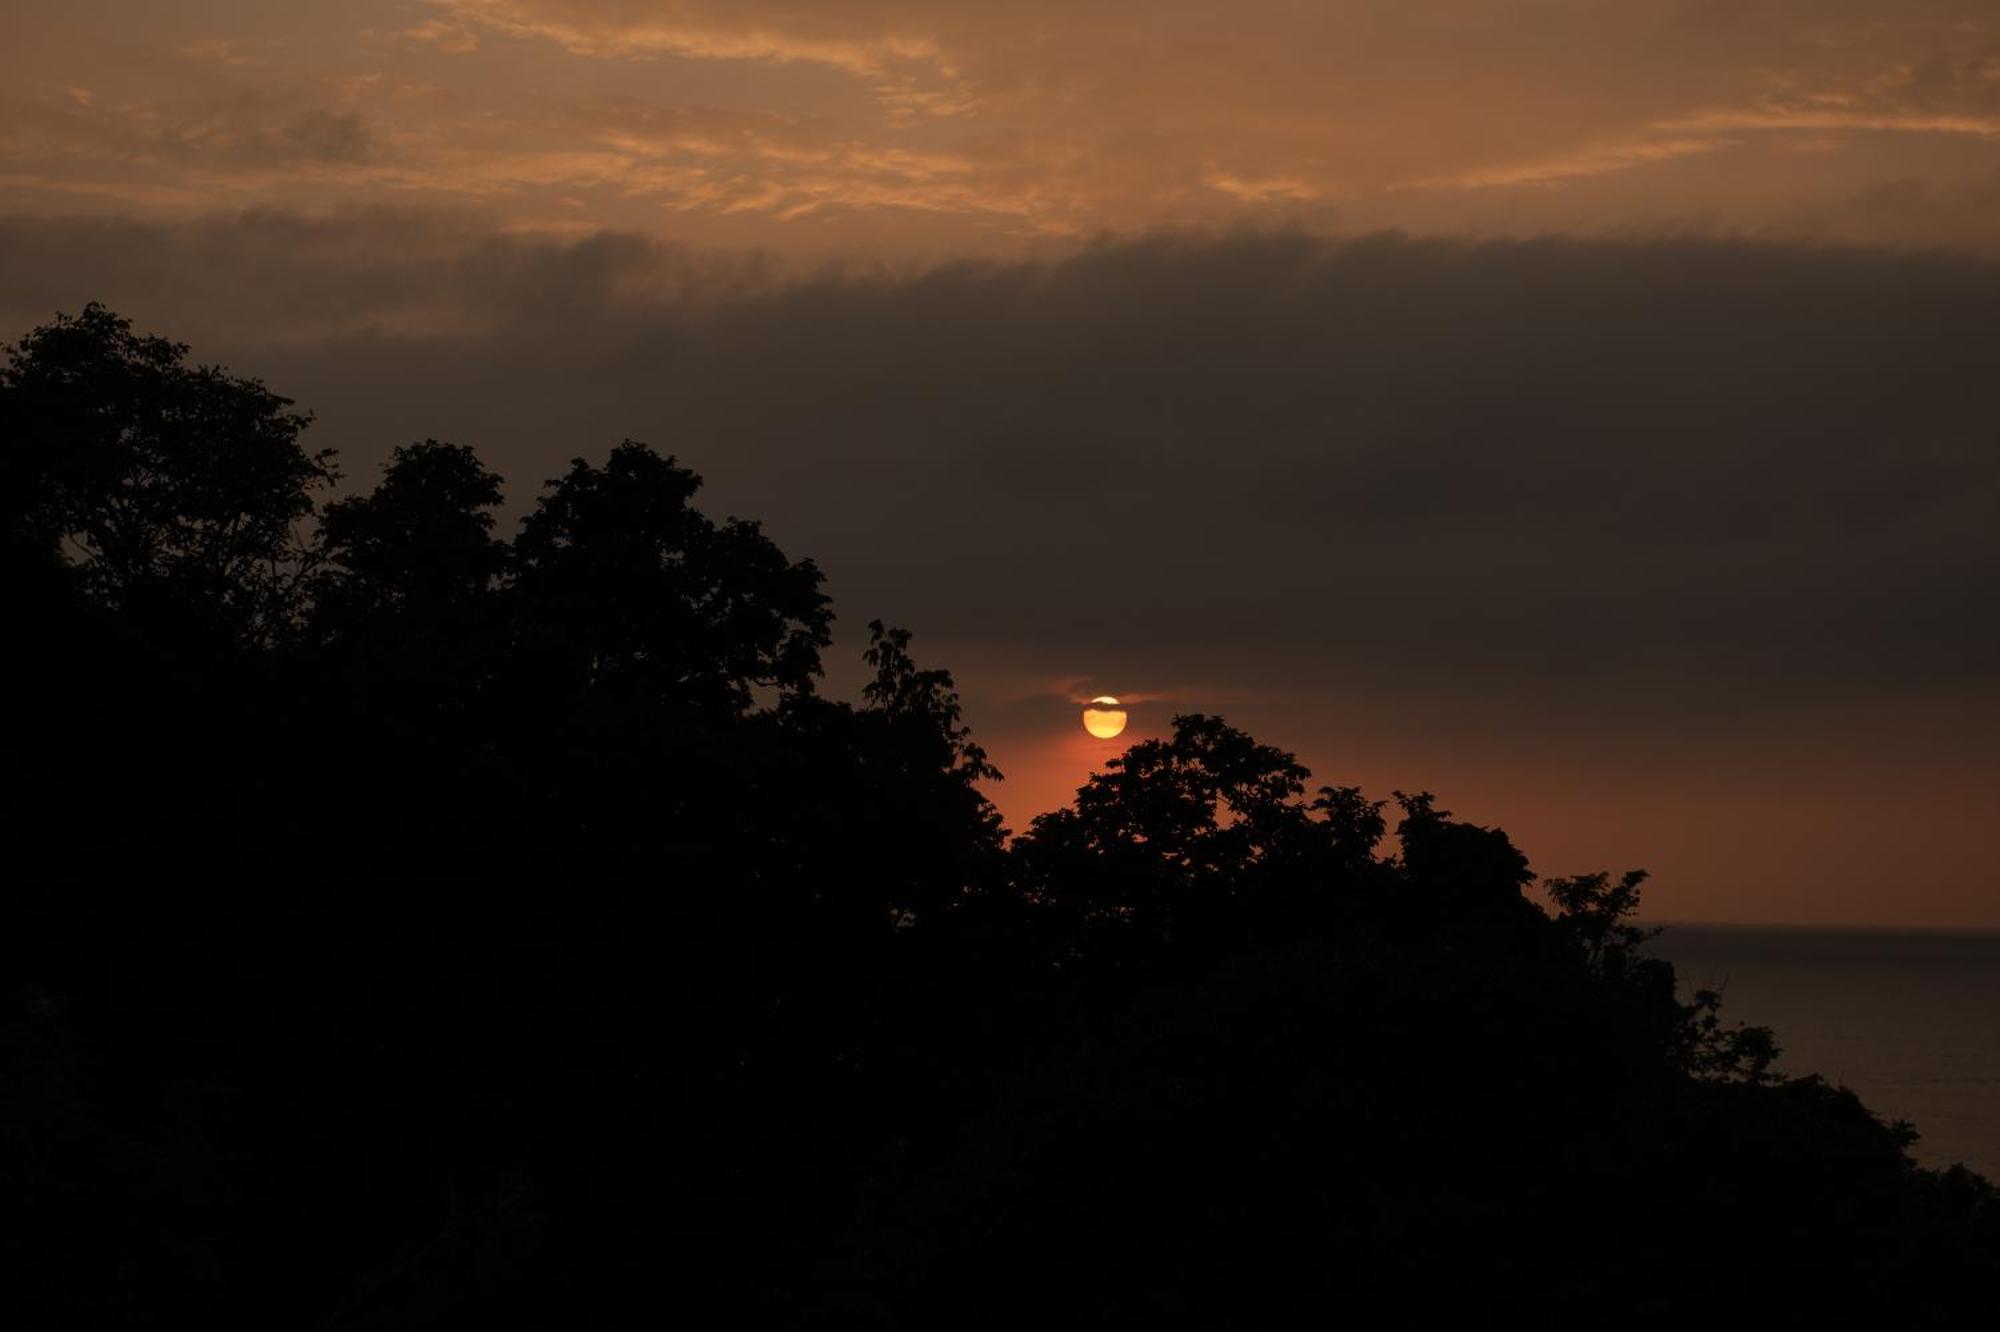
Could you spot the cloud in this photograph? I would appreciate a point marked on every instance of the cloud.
(1261, 189)
(1814, 118)
(1534, 461)
(449, 38)
(243, 136)
(696, 31)
(907, 70)
(223, 51)
(1589, 162)
(891, 128)
(325, 137)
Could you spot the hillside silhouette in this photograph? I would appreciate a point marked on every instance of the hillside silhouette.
(411, 925)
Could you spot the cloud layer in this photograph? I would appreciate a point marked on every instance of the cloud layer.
(1750, 457)
(888, 127)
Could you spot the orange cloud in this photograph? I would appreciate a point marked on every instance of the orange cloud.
(1261, 189)
(1814, 118)
(1590, 162)
(450, 38)
(893, 127)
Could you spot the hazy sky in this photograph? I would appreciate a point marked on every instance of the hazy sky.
(906, 129)
(1642, 494)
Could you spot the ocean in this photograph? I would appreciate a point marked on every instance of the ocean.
(1909, 1020)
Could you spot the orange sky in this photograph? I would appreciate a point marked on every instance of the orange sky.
(1788, 821)
(1642, 495)
(905, 130)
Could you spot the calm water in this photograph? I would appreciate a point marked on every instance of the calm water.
(1910, 1021)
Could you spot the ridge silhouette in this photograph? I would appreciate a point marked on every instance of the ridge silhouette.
(411, 926)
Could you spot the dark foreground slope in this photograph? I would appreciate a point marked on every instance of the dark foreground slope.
(410, 928)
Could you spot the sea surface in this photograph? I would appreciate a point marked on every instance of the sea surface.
(1910, 1021)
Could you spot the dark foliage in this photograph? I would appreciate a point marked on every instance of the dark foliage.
(409, 927)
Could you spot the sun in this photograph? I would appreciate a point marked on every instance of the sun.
(1104, 718)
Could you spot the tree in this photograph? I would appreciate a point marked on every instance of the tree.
(626, 585)
(1467, 871)
(924, 705)
(1595, 915)
(1181, 828)
(1595, 912)
(408, 637)
(946, 833)
(1354, 826)
(177, 491)
(419, 546)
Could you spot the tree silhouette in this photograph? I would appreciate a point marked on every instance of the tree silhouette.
(419, 548)
(409, 927)
(1469, 871)
(939, 838)
(177, 491)
(627, 586)
(1191, 832)
(408, 643)
(924, 703)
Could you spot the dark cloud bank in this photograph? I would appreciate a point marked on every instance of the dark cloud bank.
(1552, 483)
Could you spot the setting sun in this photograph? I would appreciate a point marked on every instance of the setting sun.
(1103, 718)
